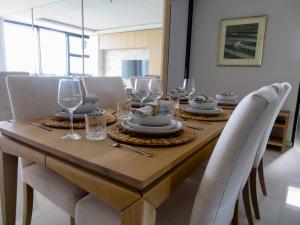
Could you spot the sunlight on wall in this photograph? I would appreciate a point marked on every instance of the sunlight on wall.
(293, 196)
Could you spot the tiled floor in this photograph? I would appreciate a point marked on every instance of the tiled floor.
(282, 205)
(278, 208)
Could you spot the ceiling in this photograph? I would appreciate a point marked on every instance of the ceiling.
(13, 6)
(99, 15)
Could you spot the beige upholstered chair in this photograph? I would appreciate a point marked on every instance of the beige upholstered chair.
(32, 98)
(228, 167)
(5, 109)
(281, 90)
(258, 167)
(109, 90)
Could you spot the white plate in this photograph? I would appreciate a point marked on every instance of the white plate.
(234, 102)
(65, 115)
(135, 125)
(215, 111)
(178, 127)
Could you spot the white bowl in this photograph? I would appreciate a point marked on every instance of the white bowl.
(154, 121)
(206, 105)
(226, 97)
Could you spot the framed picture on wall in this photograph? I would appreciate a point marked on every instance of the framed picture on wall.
(242, 41)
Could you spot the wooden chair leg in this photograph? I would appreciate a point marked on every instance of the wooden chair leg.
(246, 199)
(72, 220)
(261, 176)
(235, 219)
(8, 187)
(27, 204)
(253, 192)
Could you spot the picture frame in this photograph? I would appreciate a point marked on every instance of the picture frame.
(241, 41)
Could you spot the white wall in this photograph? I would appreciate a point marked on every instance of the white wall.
(281, 58)
(2, 47)
(179, 21)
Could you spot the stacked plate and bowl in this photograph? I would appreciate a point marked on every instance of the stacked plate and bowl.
(227, 98)
(202, 105)
(142, 121)
(88, 107)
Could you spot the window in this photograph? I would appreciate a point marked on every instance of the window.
(92, 50)
(75, 45)
(53, 52)
(46, 50)
(75, 54)
(20, 48)
(75, 65)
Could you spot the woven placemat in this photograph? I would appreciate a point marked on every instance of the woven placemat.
(52, 121)
(118, 133)
(223, 117)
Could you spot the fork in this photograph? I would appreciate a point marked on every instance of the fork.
(120, 145)
(40, 126)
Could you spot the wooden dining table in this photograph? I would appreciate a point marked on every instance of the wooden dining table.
(130, 183)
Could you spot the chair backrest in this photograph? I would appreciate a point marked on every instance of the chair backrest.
(232, 159)
(109, 90)
(5, 108)
(263, 143)
(32, 97)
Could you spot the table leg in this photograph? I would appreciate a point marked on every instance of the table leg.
(139, 213)
(8, 187)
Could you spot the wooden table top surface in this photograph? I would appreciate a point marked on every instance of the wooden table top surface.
(119, 164)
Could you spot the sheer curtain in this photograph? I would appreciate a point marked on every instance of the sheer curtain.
(2, 46)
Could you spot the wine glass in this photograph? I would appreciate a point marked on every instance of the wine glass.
(141, 89)
(189, 86)
(156, 88)
(70, 98)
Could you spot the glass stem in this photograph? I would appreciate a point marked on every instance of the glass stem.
(71, 121)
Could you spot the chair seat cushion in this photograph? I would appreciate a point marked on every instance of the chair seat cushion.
(54, 187)
(175, 211)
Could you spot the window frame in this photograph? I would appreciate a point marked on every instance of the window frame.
(72, 55)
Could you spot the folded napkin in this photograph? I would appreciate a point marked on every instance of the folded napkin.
(90, 98)
(144, 111)
(85, 108)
